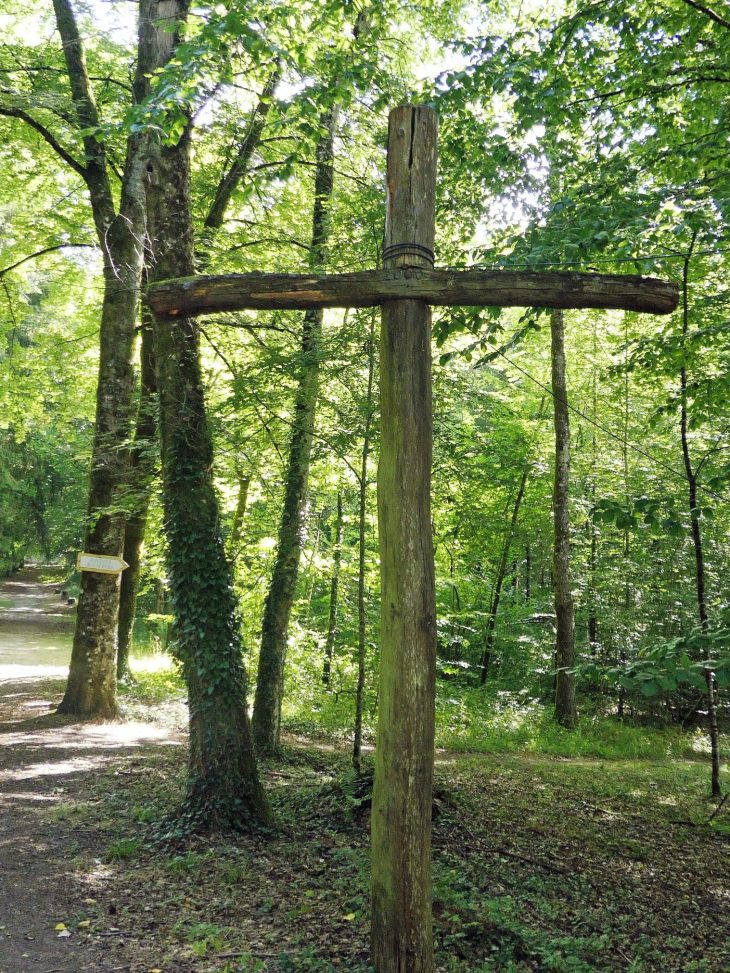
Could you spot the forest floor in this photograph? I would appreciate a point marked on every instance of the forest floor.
(540, 864)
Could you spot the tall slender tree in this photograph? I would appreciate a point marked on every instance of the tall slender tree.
(695, 513)
(334, 591)
(363, 483)
(91, 688)
(499, 580)
(279, 600)
(565, 712)
(142, 470)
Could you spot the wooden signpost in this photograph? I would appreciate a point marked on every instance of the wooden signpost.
(402, 939)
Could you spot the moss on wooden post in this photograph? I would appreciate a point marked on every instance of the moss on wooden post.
(402, 935)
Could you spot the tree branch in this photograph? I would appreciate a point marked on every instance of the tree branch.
(50, 139)
(97, 176)
(710, 13)
(247, 147)
(32, 256)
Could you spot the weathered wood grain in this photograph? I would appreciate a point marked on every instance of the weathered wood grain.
(401, 926)
(368, 288)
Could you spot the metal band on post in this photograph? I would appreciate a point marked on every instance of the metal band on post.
(404, 250)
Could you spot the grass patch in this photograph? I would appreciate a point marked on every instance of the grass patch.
(122, 850)
(155, 679)
(491, 721)
(541, 865)
(481, 721)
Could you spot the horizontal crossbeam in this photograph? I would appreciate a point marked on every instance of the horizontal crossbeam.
(267, 292)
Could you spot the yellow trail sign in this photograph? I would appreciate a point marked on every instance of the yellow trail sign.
(100, 563)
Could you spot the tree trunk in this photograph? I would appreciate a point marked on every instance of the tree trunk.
(234, 541)
(592, 526)
(142, 471)
(401, 931)
(593, 598)
(231, 179)
(136, 521)
(362, 515)
(565, 712)
(697, 537)
(334, 591)
(528, 569)
(280, 597)
(91, 688)
(499, 581)
(224, 791)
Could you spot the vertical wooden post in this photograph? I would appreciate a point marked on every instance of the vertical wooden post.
(402, 934)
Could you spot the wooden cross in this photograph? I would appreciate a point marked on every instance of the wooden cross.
(402, 939)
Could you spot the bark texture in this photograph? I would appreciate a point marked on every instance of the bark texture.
(142, 467)
(369, 288)
(499, 580)
(91, 687)
(334, 593)
(565, 712)
(223, 785)
(401, 932)
(280, 597)
(362, 517)
(697, 536)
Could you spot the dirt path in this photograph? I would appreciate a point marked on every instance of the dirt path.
(45, 765)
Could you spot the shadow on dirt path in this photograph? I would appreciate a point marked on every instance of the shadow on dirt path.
(46, 765)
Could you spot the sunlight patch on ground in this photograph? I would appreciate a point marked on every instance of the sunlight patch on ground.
(61, 768)
(701, 743)
(31, 672)
(151, 663)
(28, 796)
(91, 735)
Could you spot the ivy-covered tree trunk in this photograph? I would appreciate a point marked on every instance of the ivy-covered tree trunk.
(334, 593)
(141, 473)
(91, 687)
(565, 712)
(224, 790)
(280, 597)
